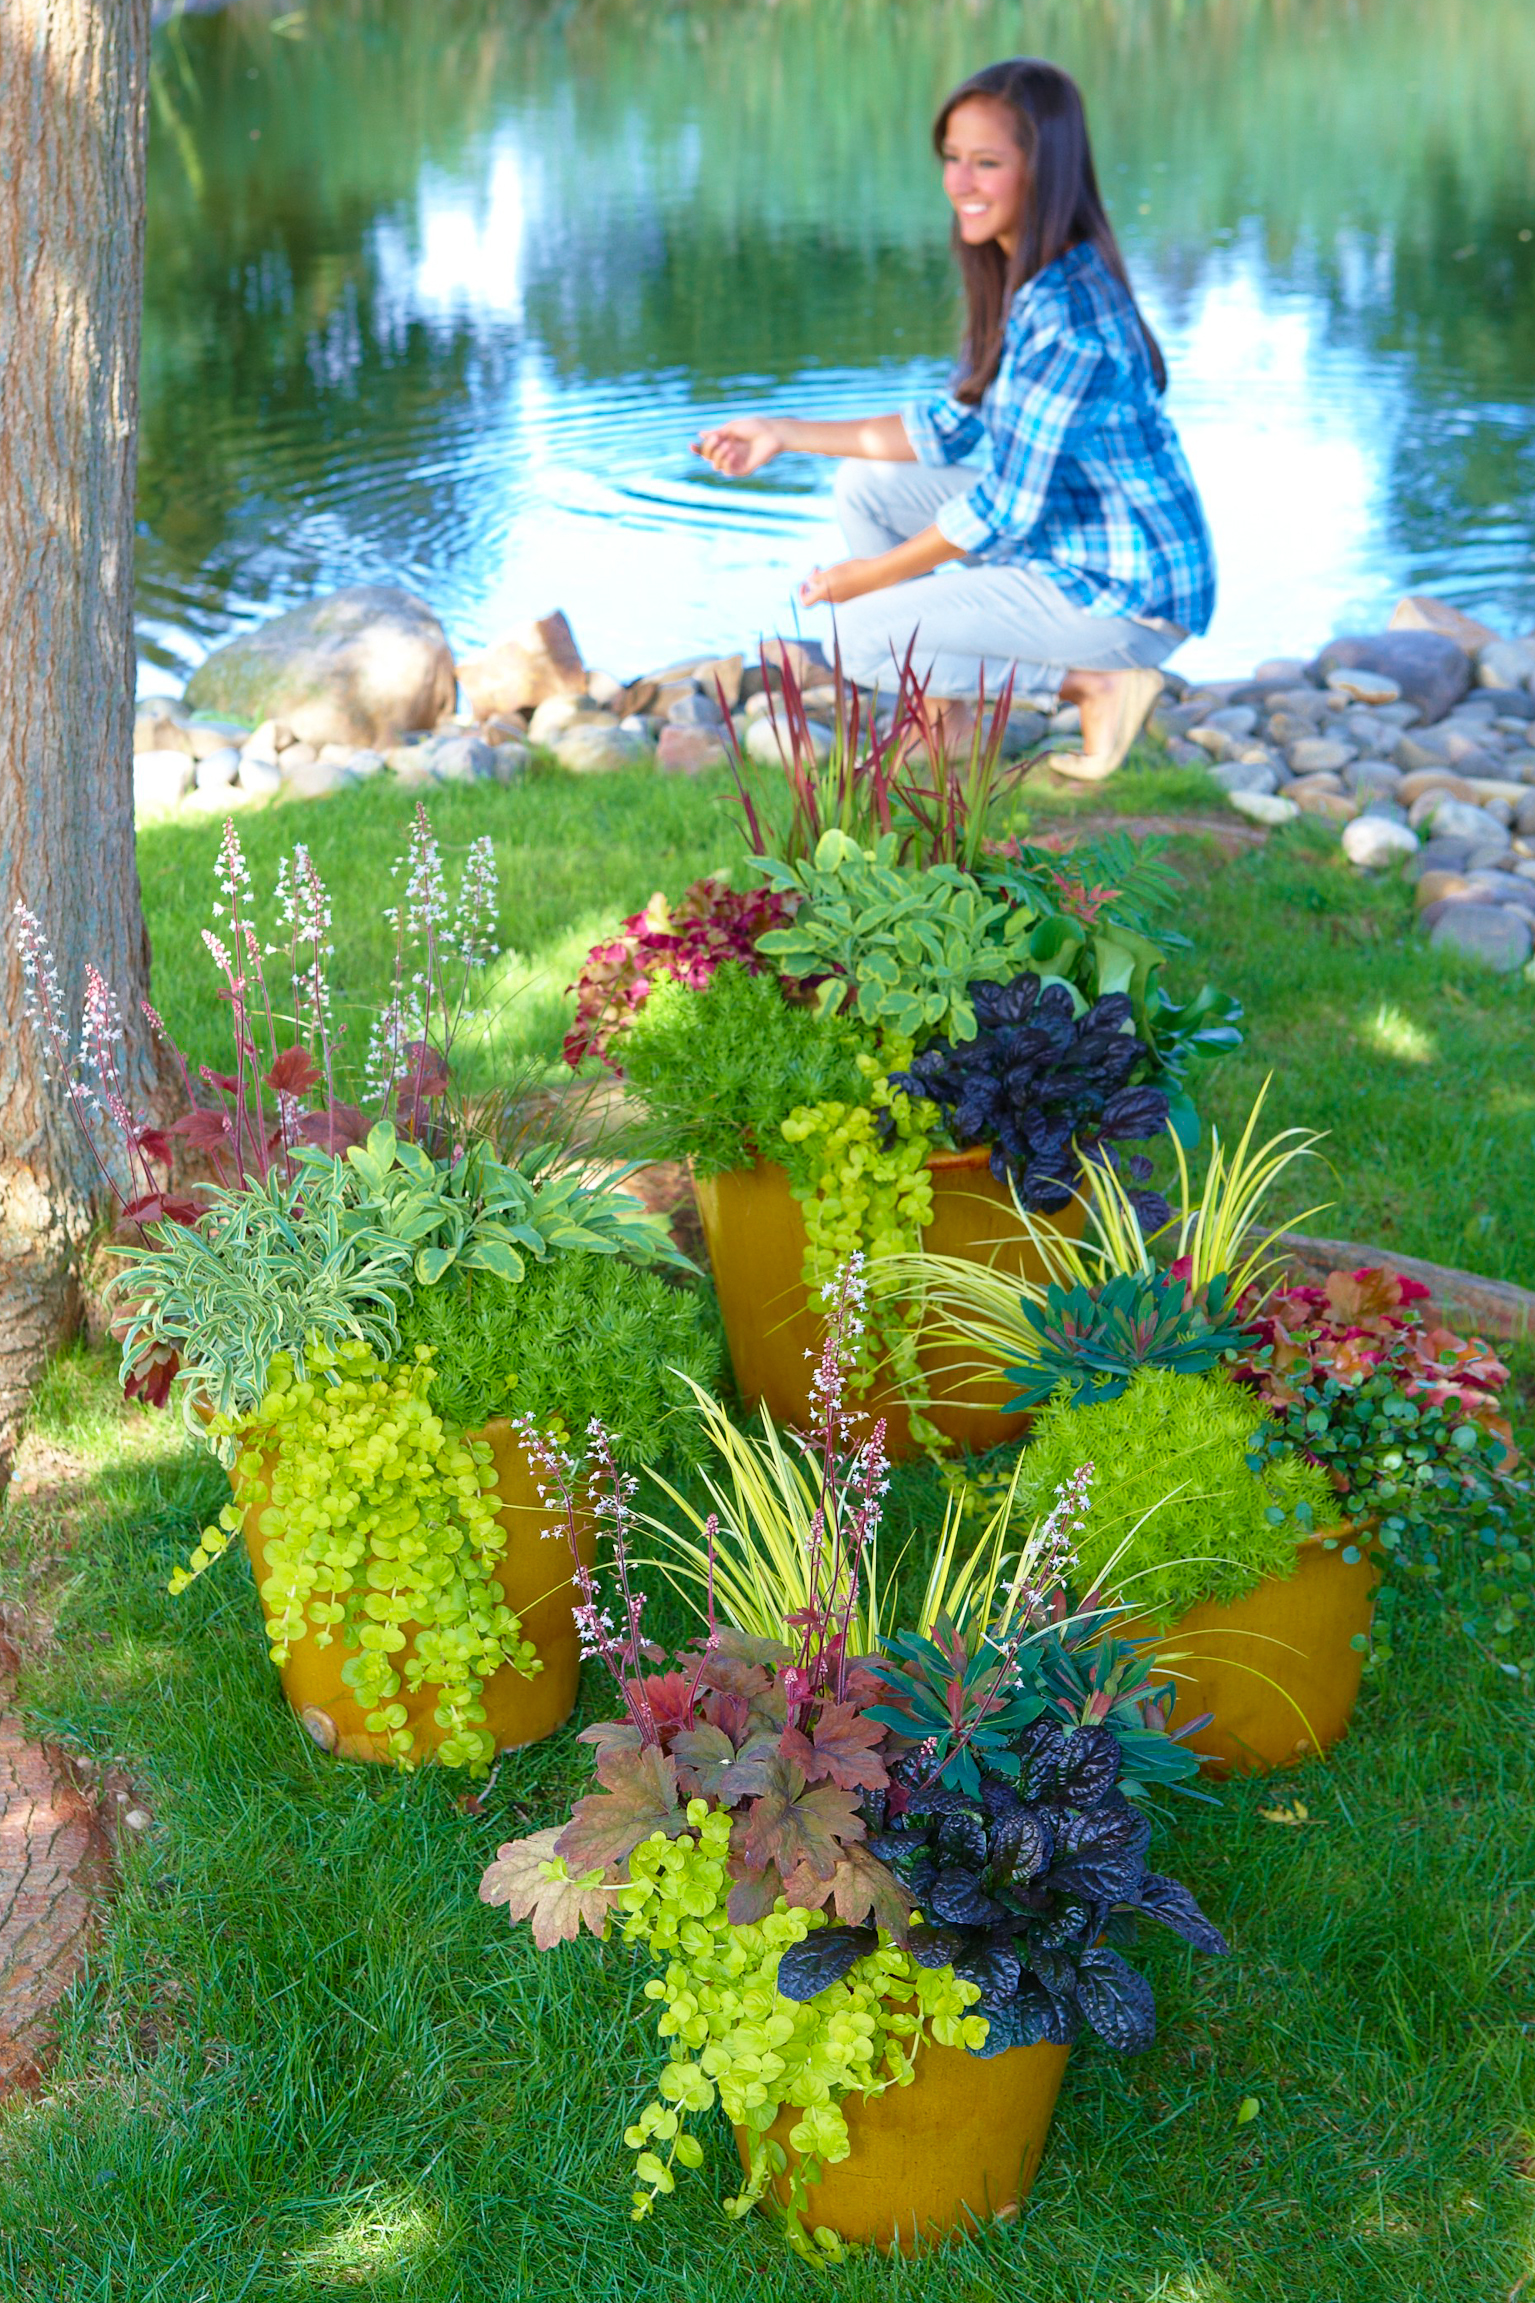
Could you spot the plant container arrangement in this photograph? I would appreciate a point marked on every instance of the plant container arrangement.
(1262, 1453)
(364, 1315)
(884, 1860)
(909, 1029)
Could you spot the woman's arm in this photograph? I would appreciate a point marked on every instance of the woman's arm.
(746, 443)
(850, 579)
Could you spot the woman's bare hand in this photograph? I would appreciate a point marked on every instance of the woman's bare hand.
(849, 580)
(740, 447)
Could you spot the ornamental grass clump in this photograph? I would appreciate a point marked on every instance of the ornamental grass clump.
(838, 1838)
(1104, 1306)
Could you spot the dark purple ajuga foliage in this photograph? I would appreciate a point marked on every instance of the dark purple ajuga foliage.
(1048, 1089)
(1023, 1887)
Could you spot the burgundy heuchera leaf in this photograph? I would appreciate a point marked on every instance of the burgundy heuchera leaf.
(335, 1128)
(790, 1824)
(841, 1746)
(293, 1073)
(158, 1207)
(205, 1131)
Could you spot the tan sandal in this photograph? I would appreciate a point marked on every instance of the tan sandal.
(1133, 697)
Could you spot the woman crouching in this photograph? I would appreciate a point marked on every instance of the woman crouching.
(1079, 558)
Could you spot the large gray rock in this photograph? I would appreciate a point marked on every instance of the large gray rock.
(207, 736)
(1504, 888)
(462, 760)
(1372, 842)
(555, 714)
(1442, 855)
(1431, 670)
(315, 779)
(1506, 664)
(1024, 730)
(1459, 820)
(1443, 748)
(259, 776)
(1494, 933)
(511, 760)
(359, 667)
(217, 768)
(764, 746)
(1263, 807)
(1245, 775)
(598, 751)
(1232, 719)
(159, 726)
(695, 712)
(536, 661)
(1363, 687)
(1319, 755)
(1366, 776)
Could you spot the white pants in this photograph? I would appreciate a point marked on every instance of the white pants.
(970, 619)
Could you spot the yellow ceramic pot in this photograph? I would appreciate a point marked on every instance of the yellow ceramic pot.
(1278, 1668)
(535, 1575)
(755, 1233)
(961, 2145)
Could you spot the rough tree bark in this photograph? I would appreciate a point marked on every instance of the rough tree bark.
(72, 128)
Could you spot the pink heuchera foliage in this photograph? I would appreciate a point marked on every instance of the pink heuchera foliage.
(710, 924)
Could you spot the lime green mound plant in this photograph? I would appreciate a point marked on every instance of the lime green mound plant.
(581, 1336)
(1186, 1506)
(376, 1514)
(719, 1066)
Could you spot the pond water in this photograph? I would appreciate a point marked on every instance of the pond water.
(438, 292)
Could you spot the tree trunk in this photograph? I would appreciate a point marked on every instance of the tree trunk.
(72, 127)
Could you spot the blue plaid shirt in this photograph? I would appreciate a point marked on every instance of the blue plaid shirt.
(1087, 482)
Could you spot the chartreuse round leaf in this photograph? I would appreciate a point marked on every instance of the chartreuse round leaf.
(378, 1515)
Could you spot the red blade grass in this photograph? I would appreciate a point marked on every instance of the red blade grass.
(904, 777)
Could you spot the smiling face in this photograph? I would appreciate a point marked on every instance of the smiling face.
(985, 175)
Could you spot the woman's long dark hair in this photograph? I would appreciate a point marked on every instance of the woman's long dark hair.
(1062, 209)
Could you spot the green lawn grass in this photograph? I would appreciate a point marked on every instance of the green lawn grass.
(306, 2064)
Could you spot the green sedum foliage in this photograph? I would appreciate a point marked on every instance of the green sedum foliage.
(721, 1069)
(583, 1335)
(1175, 1484)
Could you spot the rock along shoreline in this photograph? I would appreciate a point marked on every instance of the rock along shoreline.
(1416, 743)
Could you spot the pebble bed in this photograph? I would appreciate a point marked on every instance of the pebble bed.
(1444, 787)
